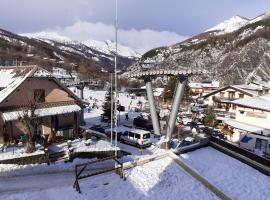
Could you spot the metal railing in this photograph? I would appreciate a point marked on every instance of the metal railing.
(80, 170)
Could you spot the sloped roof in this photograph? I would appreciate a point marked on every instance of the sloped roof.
(235, 87)
(261, 103)
(12, 77)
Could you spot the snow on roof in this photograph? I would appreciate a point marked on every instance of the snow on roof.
(254, 102)
(234, 87)
(139, 131)
(42, 112)
(211, 84)
(248, 127)
(11, 78)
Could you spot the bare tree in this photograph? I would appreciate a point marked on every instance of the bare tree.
(31, 120)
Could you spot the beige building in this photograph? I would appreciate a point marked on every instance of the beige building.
(221, 99)
(33, 93)
(203, 88)
(251, 127)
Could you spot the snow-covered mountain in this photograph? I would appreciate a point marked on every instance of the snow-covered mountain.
(52, 49)
(230, 25)
(106, 47)
(234, 51)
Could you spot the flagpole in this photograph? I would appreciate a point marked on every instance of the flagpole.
(115, 73)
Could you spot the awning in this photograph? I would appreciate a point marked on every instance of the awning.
(42, 112)
(247, 127)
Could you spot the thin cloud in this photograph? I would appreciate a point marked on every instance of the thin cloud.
(139, 40)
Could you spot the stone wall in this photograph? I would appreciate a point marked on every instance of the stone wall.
(34, 159)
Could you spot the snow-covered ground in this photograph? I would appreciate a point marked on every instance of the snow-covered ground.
(80, 145)
(16, 152)
(93, 117)
(161, 179)
(235, 178)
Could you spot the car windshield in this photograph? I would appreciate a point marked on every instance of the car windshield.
(146, 136)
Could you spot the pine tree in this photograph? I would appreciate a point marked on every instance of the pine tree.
(107, 104)
(170, 89)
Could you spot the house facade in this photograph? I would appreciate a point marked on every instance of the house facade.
(221, 99)
(251, 127)
(32, 93)
(203, 88)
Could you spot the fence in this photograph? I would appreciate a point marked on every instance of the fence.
(84, 170)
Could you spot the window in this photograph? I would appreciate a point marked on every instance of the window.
(231, 95)
(146, 136)
(234, 107)
(242, 112)
(39, 95)
(137, 136)
(221, 94)
(131, 134)
(241, 95)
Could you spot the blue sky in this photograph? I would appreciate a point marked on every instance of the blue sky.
(154, 22)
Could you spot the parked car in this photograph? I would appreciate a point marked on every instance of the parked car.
(197, 125)
(187, 141)
(119, 130)
(136, 137)
(143, 121)
(186, 121)
(98, 128)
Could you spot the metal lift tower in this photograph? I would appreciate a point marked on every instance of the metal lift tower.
(148, 76)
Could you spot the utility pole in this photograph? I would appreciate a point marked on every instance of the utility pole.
(115, 73)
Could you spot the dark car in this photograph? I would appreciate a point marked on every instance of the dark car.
(98, 128)
(143, 122)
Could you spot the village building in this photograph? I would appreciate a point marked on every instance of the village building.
(64, 76)
(250, 126)
(203, 88)
(32, 92)
(221, 99)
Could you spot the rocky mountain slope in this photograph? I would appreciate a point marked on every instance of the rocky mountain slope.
(49, 49)
(234, 51)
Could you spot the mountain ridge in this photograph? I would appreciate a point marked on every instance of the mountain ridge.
(231, 58)
(64, 53)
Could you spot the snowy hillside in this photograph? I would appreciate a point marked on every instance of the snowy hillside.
(233, 52)
(52, 49)
(230, 25)
(106, 47)
(47, 35)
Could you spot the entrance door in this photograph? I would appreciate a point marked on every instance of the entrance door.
(261, 145)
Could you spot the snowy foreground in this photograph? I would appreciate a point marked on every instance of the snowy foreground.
(161, 179)
(236, 179)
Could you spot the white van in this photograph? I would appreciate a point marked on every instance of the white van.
(136, 137)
